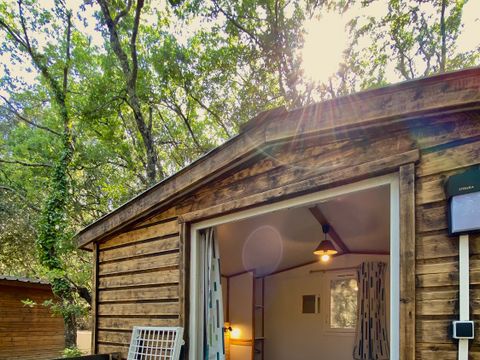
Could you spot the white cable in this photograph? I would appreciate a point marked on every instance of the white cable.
(464, 293)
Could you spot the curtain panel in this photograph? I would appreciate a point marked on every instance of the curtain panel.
(371, 338)
(214, 347)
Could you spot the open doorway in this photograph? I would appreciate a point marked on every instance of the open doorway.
(279, 300)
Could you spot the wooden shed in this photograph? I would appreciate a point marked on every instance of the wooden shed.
(371, 166)
(28, 332)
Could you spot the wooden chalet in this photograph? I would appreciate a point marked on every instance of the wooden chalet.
(28, 332)
(371, 165)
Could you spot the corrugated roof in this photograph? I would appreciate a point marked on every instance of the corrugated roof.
(24, 279)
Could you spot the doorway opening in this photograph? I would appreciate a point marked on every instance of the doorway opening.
(281, 301)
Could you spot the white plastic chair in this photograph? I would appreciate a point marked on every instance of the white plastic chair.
(155, 343)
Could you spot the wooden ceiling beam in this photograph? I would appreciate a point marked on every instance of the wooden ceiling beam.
(318, 215)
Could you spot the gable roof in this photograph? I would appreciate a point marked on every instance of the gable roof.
(449, 92)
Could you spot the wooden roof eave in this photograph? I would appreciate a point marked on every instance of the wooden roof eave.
(450, 92)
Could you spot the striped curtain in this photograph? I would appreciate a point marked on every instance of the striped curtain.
(214, 347)
(371, 339)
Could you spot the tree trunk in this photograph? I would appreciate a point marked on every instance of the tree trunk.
(146, 134)
(70, 331)
(130, 71)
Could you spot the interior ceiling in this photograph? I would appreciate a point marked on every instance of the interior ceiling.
(286, 238)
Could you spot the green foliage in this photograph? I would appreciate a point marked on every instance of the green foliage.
(29, 303)
(71, 352)
(412, 37)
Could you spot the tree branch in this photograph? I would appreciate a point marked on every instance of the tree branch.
(82, 291)
(443, 34)
(14, 111)
(114, 38)
(130, 75)
(24, 163)
(239, 26)
(176, 108)
(122, 13)
(133, 42)
(22, 197)
(215, 115)
(24, 27)
(14, 34)
(67, 55)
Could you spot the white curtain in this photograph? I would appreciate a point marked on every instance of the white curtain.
(214, 347)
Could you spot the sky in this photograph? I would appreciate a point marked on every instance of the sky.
(326, 38)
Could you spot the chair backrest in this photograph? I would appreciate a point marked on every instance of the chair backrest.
(155, 343)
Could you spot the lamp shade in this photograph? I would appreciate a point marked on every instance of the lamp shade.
(463, 194)
(325, 248)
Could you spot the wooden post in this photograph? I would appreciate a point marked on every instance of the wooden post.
(94, 297)
(407, 262)
(184, 291)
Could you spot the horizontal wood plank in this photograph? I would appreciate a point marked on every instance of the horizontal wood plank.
(445, 129)
(440, 245)
(139, 264)
(162, 216)
(154, 231)
(119, 323)
(140, 279)
(144, 309)
(431, 218)
(140, 249)
(457, 157)
(118, 337)
(438, 301)
(153, 293)
(438, 331)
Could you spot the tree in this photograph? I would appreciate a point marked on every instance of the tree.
(415, 39)
(129, 66)
(52, 234)
(273, 33)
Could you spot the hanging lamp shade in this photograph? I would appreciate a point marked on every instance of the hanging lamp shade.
(326, 246)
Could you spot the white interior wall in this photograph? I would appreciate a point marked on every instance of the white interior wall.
(241, 314)
(289, 334)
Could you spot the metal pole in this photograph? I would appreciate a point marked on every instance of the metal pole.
(464, 295)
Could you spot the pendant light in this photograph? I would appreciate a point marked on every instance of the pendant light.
(325, 249)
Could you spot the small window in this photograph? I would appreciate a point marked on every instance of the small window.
(343, 303)
(310, 304)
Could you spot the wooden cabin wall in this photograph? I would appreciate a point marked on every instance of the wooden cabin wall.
(448, 146)
(138, 281)
(28, 333)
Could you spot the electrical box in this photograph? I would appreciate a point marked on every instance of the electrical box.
(463, 194)
(462, 329)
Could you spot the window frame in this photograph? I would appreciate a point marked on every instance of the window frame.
(329, 277)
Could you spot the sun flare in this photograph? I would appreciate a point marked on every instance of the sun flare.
(325, 41)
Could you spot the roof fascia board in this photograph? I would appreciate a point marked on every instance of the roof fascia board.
(23, 284)
(411, 99)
